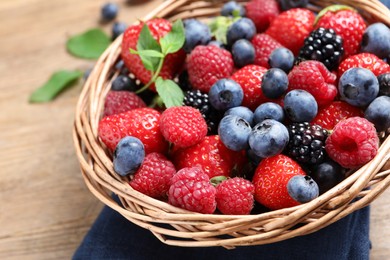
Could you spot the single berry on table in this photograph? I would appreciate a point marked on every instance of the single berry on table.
(274, 83)
(268, 110)
(109, 11)
(196, 33)
(117, 29)
(300, 106)
(225, 94)
(378, 113)
(128, 155)
(123, 82)
(290, 4)
(376, 40)
(302, 188)
(281, 58)
(234, 132)
(232, 8)
(243, 53)
(384, 84)
(327, 175)
(242, 112)
(243, 28)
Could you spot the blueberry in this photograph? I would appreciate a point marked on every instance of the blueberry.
(225, 94)
(196, 33)
(268, 138)
(232, 8)
(128, 155)
(234, 132)
(121, 67)
(123, 82)
(243, 28)
(376, 40)
(268, 110)
(358, 86)
(242, 112)
(281, 58)
(378, 113)
(300, 106)
(327, 175)
(117, 29)
(274, 83)
(109, 11)
(302, 188)
(243, 53)
(289, 4)
(217, 43)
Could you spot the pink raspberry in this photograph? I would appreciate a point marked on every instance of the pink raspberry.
(121, 101)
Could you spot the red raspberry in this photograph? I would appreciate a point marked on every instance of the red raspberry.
(191, 189)
(183, 126)
(264, 45)
(210, 154)
(235, 196)
(142, 123)
(364, 60)
(316, 79)
(271, 178)
(333, 113)
(250, 78)
(262, 12)
(121, 101)
(207, 64)
(291, 28)
(353, 142)
(154, 176)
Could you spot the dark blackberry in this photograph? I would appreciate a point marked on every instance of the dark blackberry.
(323, 45)
(384, 84)
(307, 143)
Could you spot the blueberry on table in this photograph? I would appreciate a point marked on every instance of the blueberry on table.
(274, 83)
(196, 33)
(243, 28)
(300, 106)
(327, 175)
(128, 155)
(225, 94)
(123, 82)
(376, 40)
(282, 58)
(231, 8)
(302, 188)
(242, 112)
(234, 132)
(243, 53)
(378, 113)
(268, 110)
(109, 11)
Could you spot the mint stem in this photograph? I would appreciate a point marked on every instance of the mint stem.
(154, 77)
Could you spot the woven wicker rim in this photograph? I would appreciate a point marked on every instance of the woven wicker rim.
(190, 229)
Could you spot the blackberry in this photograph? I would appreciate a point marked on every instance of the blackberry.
(384, 84)
(307, 143)
(323, 45)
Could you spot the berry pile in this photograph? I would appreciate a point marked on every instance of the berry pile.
(267, 105)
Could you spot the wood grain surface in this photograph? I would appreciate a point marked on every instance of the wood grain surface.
(45, 208)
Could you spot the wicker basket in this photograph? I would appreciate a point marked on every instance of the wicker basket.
(175, 226)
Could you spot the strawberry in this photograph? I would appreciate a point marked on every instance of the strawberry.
(143, 123)
(364, 60)
(158, 27)
(121, 101)
(262, 12)
(271, 178)
(250, 78)
(264, 45)
(207, 64)
(347, 23)
(291, 28)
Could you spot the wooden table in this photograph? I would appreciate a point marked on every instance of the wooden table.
(45, 207)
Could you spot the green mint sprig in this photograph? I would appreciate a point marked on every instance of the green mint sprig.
(220, 25)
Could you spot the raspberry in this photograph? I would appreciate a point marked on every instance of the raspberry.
(264, 45)
(235, 196)
(191, 189)
(183, 126)
(353, 142)
(366, 61)
(154, 176)
(121, 101)
(262, 12)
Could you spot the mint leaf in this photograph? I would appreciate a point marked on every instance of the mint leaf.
(147, 57)
(174, 40)
(88, 45)
(57, 82)
(219, 27)
(170, 93)
(147, 42)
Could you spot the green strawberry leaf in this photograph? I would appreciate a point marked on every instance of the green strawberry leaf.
(88, 45)
(57, 82)
(333, 9)
(170, 93)
(174, 40)
(146, 42)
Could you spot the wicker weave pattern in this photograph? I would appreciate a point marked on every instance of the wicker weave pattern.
(192, 229)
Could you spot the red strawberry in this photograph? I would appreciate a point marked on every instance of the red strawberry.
(158, 27)
(183, 126)
(333, 113)
(121, 101)
(264, 45)
(191, 189)
(153, 178)
(210, 154)
(207, 64)
(250, 78)
(315, 78)
(262, 12)
(143, 123)
(291, 28)
(364, 60)
(271, 178)
(347, 23)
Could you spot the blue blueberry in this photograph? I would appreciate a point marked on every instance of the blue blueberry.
(243, 53)
(378, 113)
(121, 67)
(282, 58)
(268, 110)
(300, 106)
(289, 4)
(117, 29)
(358, 86)
(327, 175)
(225, 94)
(123, 82)
(376, 40)
(196, 33)
(128, 155)
(302, 188)
(242, 112)
(232, 8)
(109, 11)
(268, 138)
(234, 132)
(243, 28)
(274, 83)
